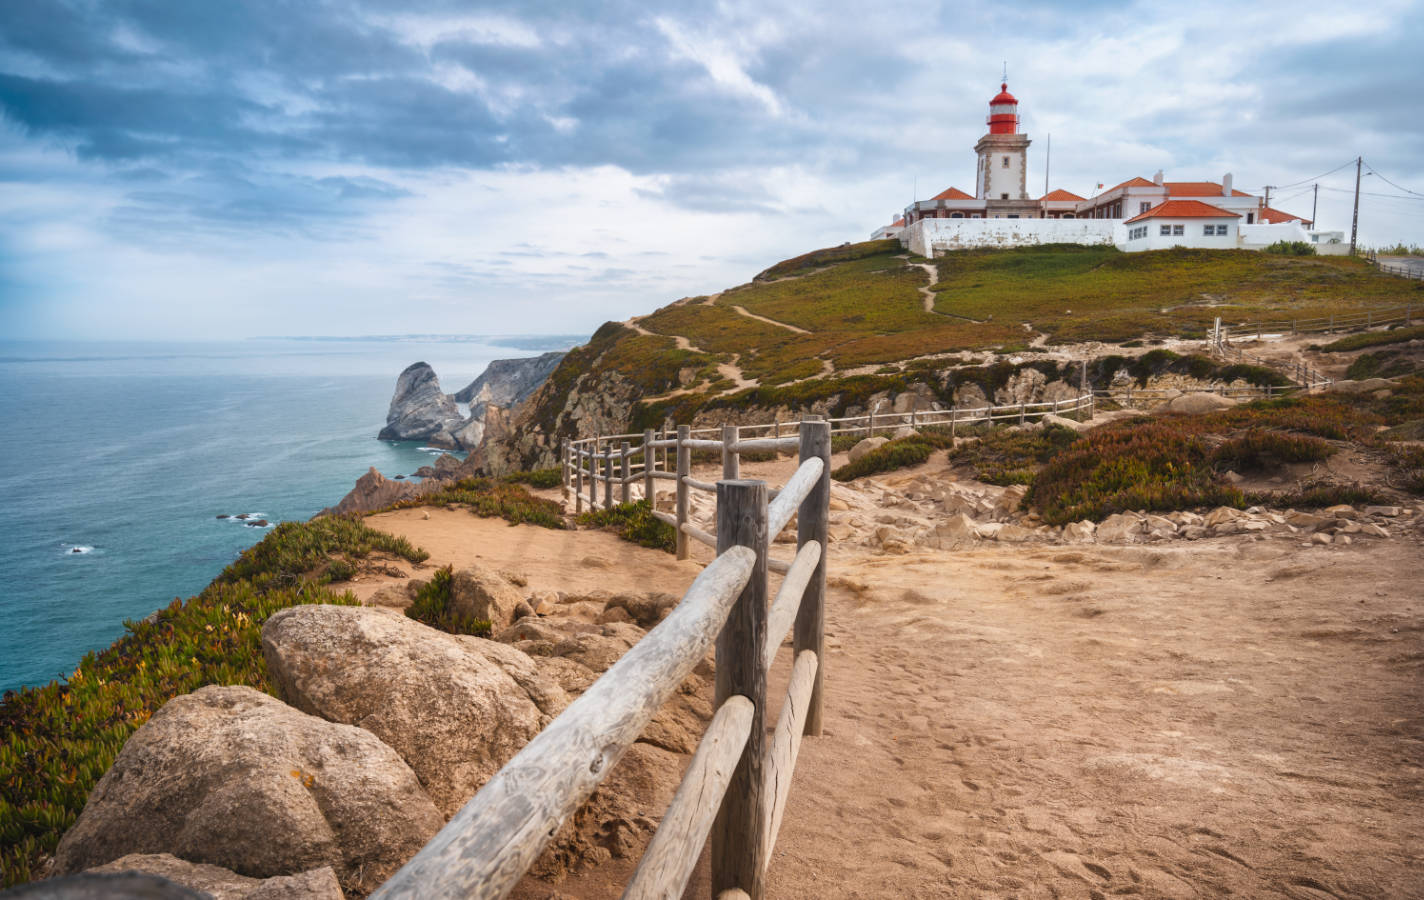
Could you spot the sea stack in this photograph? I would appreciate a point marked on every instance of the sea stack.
(420, 411)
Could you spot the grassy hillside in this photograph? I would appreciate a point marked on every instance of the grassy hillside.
(840, 322)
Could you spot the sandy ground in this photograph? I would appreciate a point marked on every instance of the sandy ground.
(1214, 718)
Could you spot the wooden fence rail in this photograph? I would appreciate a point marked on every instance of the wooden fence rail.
(734, 791)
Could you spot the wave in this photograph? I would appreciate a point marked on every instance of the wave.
(76, 549)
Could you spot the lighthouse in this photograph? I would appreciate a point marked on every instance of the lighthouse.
(1002, 181)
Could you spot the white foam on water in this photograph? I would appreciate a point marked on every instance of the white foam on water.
(76, 549)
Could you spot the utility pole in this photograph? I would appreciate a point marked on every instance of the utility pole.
(1047, 161)
(1268, 196)
(1355, 220)
(1315, 201)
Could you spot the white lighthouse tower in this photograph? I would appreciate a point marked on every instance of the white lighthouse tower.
(1002, 180)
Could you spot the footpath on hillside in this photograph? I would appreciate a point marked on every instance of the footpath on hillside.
(1188, 719)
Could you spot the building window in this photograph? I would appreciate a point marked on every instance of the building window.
(1006, 162)
(1166, 231)
(1003, 196)
(1179, 230)
(1212, 230)
(1011, 216)
(1069, 216)
(1250, 218)
(1137, 233)
(1144, 206)
(956, 215)
(975, 216)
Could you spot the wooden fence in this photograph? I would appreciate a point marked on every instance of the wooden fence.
(1397, 315)
(1305, 376)
(593, 467)
(1414, 272)
(736, 786)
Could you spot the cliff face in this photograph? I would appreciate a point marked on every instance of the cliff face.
(421, 411)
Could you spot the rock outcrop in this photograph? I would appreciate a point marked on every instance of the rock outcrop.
(506, 382)
(225, 884)
(420, 411)
(375, 491)
(235, 778)
(446, 703)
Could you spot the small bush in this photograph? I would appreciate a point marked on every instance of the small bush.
(1318, 496)
(1409, 461)
(633, 522)
(493, 499)
(1134, 465)
(1379, 365)
(1375, 339)
(323, 550)
(1261, 449)
(899, 453)
(432, 607)
(536, 478)
(1005, 457)
(1291, 248)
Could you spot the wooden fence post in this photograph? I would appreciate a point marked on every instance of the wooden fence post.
(592, 481)
(578, 480)
(684, 468)
(731, 459)
(608, 477)
(564, 468)
(953, 410)
(623, 473)
(650, 465)
(739, 833)
(1022, 406)
(812, 524)
(1409, 308)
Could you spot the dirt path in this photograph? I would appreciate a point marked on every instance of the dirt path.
(1193, 719)
(730, 370)
(742, 311)
(929, 295)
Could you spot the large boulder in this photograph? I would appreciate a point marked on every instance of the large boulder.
(479, 593)
(420, 411)
(1024, 386)
(1119, 528)
(224, 884)
(454, 707)
(867, 445)
(235, 778)
(374, 491)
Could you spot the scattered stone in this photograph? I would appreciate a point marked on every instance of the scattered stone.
(1340, 511)
(395, 596)
(455, 707)
(235, 778)
(1221, 514)
(1198, 402)
(1320, 538)
(224, 884)
(1062, 422)
(1080, 532)
(1119, 528)
(1386, 511)
(1016, 534)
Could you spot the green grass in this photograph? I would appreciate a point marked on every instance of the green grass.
(817, 258)
(900, 453)
(633, 522)
(537, 478)
(495, 499)
(1385, 364)
(56, 740)
(432, 607)
(1375, 339)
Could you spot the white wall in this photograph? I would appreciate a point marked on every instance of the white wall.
(1192, 235)
(995, 179)
(929, 237)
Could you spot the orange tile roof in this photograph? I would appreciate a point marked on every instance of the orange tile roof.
(1132, 182)
(1269, 216)
(1184, 209)
(951, 194)
(898, 223)
(1060, 194)
(1199, 189)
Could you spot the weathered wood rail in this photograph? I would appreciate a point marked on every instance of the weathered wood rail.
(1305, 376)
(736, 786)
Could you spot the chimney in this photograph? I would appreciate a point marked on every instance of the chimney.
(1158, 178)
(1226, 185)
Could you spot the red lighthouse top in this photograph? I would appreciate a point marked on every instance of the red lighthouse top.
(1004, 112)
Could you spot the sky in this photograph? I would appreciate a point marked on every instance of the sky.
(172, 169)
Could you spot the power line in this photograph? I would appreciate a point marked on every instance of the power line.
(1279, 187)
(1391, 183)
(1417, 199)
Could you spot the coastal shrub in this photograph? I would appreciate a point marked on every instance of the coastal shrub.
(57, 739)
(1259, 448)
(1408, 461)
(324, 550)
(1379, 365)
(899, 453)
(432, 607)
(1135, 465)
(633, 522)
(1001, 456)
(492, 499)
(1318, 495)
(1291, 248)
(842, 443)
(1375, 339)
(537, 478)
(1326, 416)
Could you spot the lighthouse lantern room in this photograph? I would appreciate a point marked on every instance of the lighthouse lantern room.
(1003, 162)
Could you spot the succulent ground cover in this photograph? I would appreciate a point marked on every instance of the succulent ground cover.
(56, 740)
(494, 498)
(633, 522)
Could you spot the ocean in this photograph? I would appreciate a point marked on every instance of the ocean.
(119, 457)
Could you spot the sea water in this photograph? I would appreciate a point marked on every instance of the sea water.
(118, 459)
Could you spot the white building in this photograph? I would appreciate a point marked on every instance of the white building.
(1194, 213)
